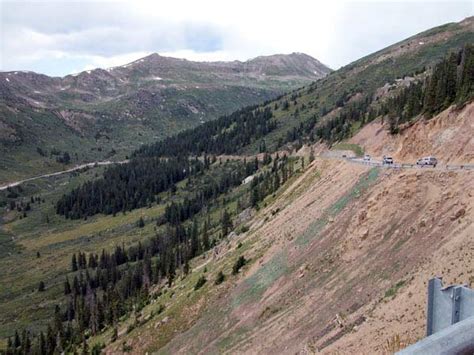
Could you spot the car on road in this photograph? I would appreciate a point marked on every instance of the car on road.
(367, 158)
(427, 161)
(387, 160)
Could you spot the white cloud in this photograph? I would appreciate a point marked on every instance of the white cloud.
(57, 37)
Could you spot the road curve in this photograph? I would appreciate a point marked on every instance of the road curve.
(77, 167)
(395, 165)
(464, 167)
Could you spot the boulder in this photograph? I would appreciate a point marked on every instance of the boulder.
(459, 213)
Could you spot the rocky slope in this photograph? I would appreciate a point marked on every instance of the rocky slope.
(98, 112)
(339, 263)
(339, 259)
(448, 137)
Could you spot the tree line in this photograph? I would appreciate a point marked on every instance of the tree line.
(226, 135)
(451, 82)
(126, 187)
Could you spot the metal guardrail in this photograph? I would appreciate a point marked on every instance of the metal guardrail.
(410, 166)
(456, 339)
(449, 323)
(447, 305)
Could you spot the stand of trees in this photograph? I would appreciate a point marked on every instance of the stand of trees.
(111, 285)
(127, 186)
(230, 177)
(225, 135)
(103, 287)
(451, 82)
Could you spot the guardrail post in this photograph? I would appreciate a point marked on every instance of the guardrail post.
(430, 309)
(456, 305)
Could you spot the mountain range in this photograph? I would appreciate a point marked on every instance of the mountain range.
(265, 230)
(96, 114)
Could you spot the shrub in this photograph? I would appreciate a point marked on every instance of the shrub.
(220, 278)
(238, 265)
(41, 286)
(200, 282)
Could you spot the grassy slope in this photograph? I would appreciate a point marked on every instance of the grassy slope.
(59, 239)
(366, 75)
(122, 125)
(21, 238)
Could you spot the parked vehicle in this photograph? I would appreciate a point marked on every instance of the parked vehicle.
(430, 161)
(387, 160)
(367, 157)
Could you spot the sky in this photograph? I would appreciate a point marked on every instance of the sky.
(63, 37)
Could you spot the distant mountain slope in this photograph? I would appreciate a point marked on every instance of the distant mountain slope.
(102, 112)
(391, 84)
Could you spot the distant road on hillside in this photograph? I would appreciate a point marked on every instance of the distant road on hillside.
(400, 165)
(77, 167)
(396, 165)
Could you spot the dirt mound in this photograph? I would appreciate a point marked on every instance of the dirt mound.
(449, 136)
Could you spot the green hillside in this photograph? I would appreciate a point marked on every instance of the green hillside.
(106, 114)
(90, 258)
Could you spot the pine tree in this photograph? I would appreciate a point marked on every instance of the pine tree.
(67, 286)
(114, 335)
(220, 278)
(41, 286)
(226, 223)
(74, 263)
(16, 340)
(451, 79)
(194, 239)
(205, 236)
(200, 282)
(240, 262)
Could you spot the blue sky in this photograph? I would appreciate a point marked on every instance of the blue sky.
(62, 37)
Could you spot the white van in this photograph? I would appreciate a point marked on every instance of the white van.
(387, 160)
(431, 161)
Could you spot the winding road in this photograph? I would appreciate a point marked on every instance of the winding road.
(396, 165)
(77, 167)
(464, 167)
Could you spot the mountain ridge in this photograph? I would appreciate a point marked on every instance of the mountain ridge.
(100, 112)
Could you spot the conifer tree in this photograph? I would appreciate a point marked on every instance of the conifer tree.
(74, 263)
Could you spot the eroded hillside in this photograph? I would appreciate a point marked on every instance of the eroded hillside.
(448, 137)
(339, 262)
(233, 238)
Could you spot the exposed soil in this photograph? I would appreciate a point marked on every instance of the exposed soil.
(341, 259)
(448, 136)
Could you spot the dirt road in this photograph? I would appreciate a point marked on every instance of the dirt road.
(98, 163)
